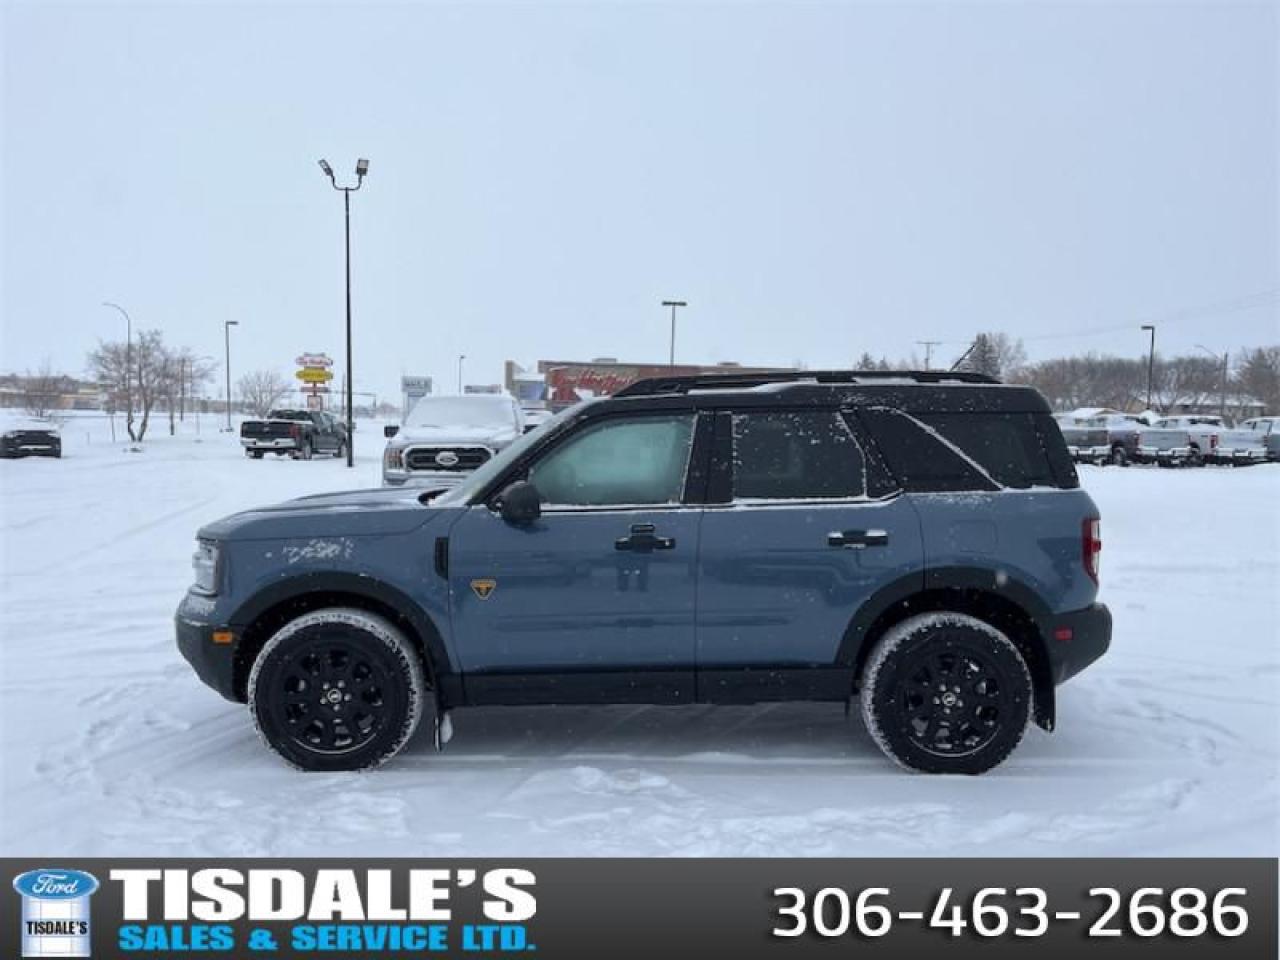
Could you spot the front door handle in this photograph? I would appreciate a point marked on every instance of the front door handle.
(858, 539)
(643, 540)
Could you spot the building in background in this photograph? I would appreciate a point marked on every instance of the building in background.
(562, 383)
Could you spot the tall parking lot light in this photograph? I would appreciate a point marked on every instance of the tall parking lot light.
(673, 304)
(226, 332)
(128, 363)
(362, 170)
(1151, 361)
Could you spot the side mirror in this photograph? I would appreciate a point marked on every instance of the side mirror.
(390, 430)
(520, 503)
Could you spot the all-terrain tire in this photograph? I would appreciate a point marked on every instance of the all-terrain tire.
(337, 689)
(945, 692)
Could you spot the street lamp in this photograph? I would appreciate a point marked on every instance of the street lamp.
(673, 304)
(461, 357)
(226, 330)
(1151, 361)
(1222, 400)
(362, 170)
(128, 363)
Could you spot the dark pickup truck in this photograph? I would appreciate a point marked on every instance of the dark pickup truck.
(299, 433)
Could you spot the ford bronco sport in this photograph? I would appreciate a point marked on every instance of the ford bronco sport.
(918, 542)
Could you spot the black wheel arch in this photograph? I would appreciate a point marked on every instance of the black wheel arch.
(271, 608)
(1006, 603)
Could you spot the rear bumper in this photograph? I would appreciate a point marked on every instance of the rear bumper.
(268, 443)
(1089, 454)
(1077, 639)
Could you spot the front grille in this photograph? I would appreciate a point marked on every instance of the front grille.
(35, 437)
(424, 458)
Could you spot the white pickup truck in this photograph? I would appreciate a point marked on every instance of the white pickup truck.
(1267, 429)
(1212, 441)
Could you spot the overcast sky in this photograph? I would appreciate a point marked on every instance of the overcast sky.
(815, 180)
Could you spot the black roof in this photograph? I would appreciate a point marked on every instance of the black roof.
(923, 391)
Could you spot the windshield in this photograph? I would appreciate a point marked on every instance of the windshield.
(483, 475)
(491, 410)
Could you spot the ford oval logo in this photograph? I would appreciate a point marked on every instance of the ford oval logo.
(447, 458)
(50, 884)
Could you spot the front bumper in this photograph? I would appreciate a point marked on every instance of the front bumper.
(214, 663)
(1076, 639)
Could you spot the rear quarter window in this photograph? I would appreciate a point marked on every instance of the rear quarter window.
(971, 451)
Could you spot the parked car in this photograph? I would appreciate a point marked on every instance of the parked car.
(299, 433)
(917, 541)
(1104, 438)
(1212, 441)
(1165, 447)
(536, 417)
(25, 436)
(1268, 429)
(444, 439)
(1085, 444)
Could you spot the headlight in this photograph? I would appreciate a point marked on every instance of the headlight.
(205, 564)
(393, 458)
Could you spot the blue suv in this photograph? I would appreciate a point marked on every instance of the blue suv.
(918, 542)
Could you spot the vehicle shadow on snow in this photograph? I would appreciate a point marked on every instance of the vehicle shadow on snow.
(808, 731)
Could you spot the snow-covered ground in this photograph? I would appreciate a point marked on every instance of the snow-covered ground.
(109, 746)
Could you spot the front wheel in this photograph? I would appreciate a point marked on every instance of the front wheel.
(337, 689)
(341, 452)
(946, 692)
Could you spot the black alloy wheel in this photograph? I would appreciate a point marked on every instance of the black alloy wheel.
(337, 689)
(946, 693)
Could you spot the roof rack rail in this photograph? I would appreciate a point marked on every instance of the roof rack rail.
(728, 381)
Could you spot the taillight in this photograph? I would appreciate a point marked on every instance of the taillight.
(1213, 441)
(1091, 546)
(294, 430)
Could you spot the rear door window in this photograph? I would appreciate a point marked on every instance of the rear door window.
(796, 455)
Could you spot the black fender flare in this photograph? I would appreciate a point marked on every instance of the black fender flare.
(906, 592)
(435, 654)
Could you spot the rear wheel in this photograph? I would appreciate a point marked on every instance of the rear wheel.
(1195, 458)
(946, 692)
(1119, 455)
(255, 454)
(337, 689)
(304, 450)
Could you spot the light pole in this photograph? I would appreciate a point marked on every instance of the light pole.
(128, 364)
(362, 169)
(226, 330)
(461, 357)
(673, 304)
(1151, 361)
(1222, 399)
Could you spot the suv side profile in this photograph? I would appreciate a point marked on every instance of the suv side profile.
(918, 542)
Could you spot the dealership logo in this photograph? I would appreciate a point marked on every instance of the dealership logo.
(55, 912)
(447, 458)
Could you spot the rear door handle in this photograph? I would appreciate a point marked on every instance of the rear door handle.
(643, 540)
(858, 539)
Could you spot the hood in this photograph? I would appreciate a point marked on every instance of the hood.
(492, 435)
(377, 512)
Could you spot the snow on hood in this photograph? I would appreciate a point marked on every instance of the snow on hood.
(457, 433)
(376, 512)
(18, 421)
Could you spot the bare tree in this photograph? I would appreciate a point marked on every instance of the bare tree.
(1258, 376)
(262, 390)
(145, 380)
(41, 390)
